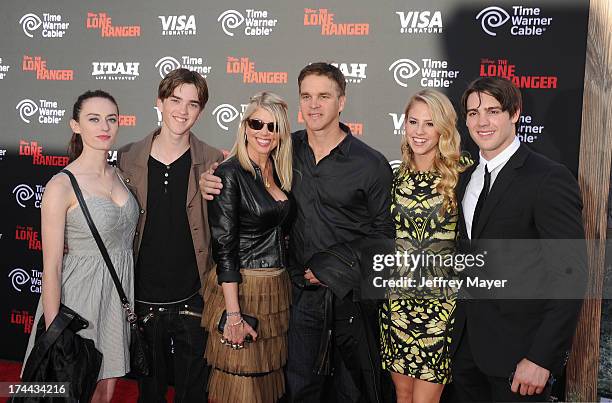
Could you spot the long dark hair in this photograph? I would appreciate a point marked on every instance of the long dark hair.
(75, 147)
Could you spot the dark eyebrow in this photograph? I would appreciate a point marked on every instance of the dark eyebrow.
(97, 114)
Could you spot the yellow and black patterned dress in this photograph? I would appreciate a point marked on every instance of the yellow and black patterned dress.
(416, 322)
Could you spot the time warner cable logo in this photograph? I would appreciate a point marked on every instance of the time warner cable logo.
(225, 114)
(257, 22)
(404, 69)
(168, 63)
(18, 278)
(52, 24)
(23, 193)
(525, 21)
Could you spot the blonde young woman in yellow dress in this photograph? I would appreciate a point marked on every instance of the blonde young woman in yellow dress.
(416, 324)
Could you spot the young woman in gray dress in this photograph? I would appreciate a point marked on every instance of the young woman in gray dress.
(79, 278)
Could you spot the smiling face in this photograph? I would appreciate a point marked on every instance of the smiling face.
(98, 123)
(491, 128)
(320, 103)
(260, 143)
(421, 134)
(181, 110)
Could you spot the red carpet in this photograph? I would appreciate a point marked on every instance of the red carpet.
(125, 392)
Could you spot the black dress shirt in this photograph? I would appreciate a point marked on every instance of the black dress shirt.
(346, 196)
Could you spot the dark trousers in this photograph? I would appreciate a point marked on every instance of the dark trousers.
(176, 328)
(472, 385)
(353, 379)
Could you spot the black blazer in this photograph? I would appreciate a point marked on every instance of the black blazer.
(531, 226)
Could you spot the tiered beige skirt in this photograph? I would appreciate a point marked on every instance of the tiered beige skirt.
(255, 373)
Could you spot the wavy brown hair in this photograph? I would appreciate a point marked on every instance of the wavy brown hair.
(447, 160)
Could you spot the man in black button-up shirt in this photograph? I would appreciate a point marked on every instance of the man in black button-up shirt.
(342, 191)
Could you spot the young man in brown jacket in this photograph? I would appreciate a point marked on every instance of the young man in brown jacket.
(171, 247)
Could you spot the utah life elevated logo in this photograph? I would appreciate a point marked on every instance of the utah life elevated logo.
(524, 21)
(115, 70)
(53, 25)
(256, 22)
(353, 72)
(420, 22)
(434, 73)
(178, 25)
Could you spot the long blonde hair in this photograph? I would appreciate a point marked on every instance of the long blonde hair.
(447, 160)
(282, 155)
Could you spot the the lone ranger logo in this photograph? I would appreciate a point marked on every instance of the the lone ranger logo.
(420, 22)
(39, 66)
(245, 67)
(177, 25)
(501, 68)
(53, 25)
(23, 318)
(323, 18)
(35, 150)
(168, 63)
(115, 70)
(48, 111)
(433, 73)
(104, 23)
(28, 234)
(523, 21)
(353, 72)
(256, 22)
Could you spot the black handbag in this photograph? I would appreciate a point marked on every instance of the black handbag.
(250, 320)
(61, 355)
(139, 358)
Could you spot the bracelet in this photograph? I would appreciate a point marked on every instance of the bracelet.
(237, 323)
(229, 314)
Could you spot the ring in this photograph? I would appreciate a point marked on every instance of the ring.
(223, 341)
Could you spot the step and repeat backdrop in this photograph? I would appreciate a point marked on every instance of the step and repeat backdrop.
(50, 52)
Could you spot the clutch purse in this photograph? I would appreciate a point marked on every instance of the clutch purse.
(250, 320)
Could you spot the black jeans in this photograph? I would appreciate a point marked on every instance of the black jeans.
(353, 379)
(176, 328)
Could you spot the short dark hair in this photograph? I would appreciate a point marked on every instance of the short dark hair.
(324, 69)
(503, 90)
(179, 77)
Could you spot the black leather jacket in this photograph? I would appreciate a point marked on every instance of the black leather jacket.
(248, 226)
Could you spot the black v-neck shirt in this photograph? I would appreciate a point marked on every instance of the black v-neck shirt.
(167, 270)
